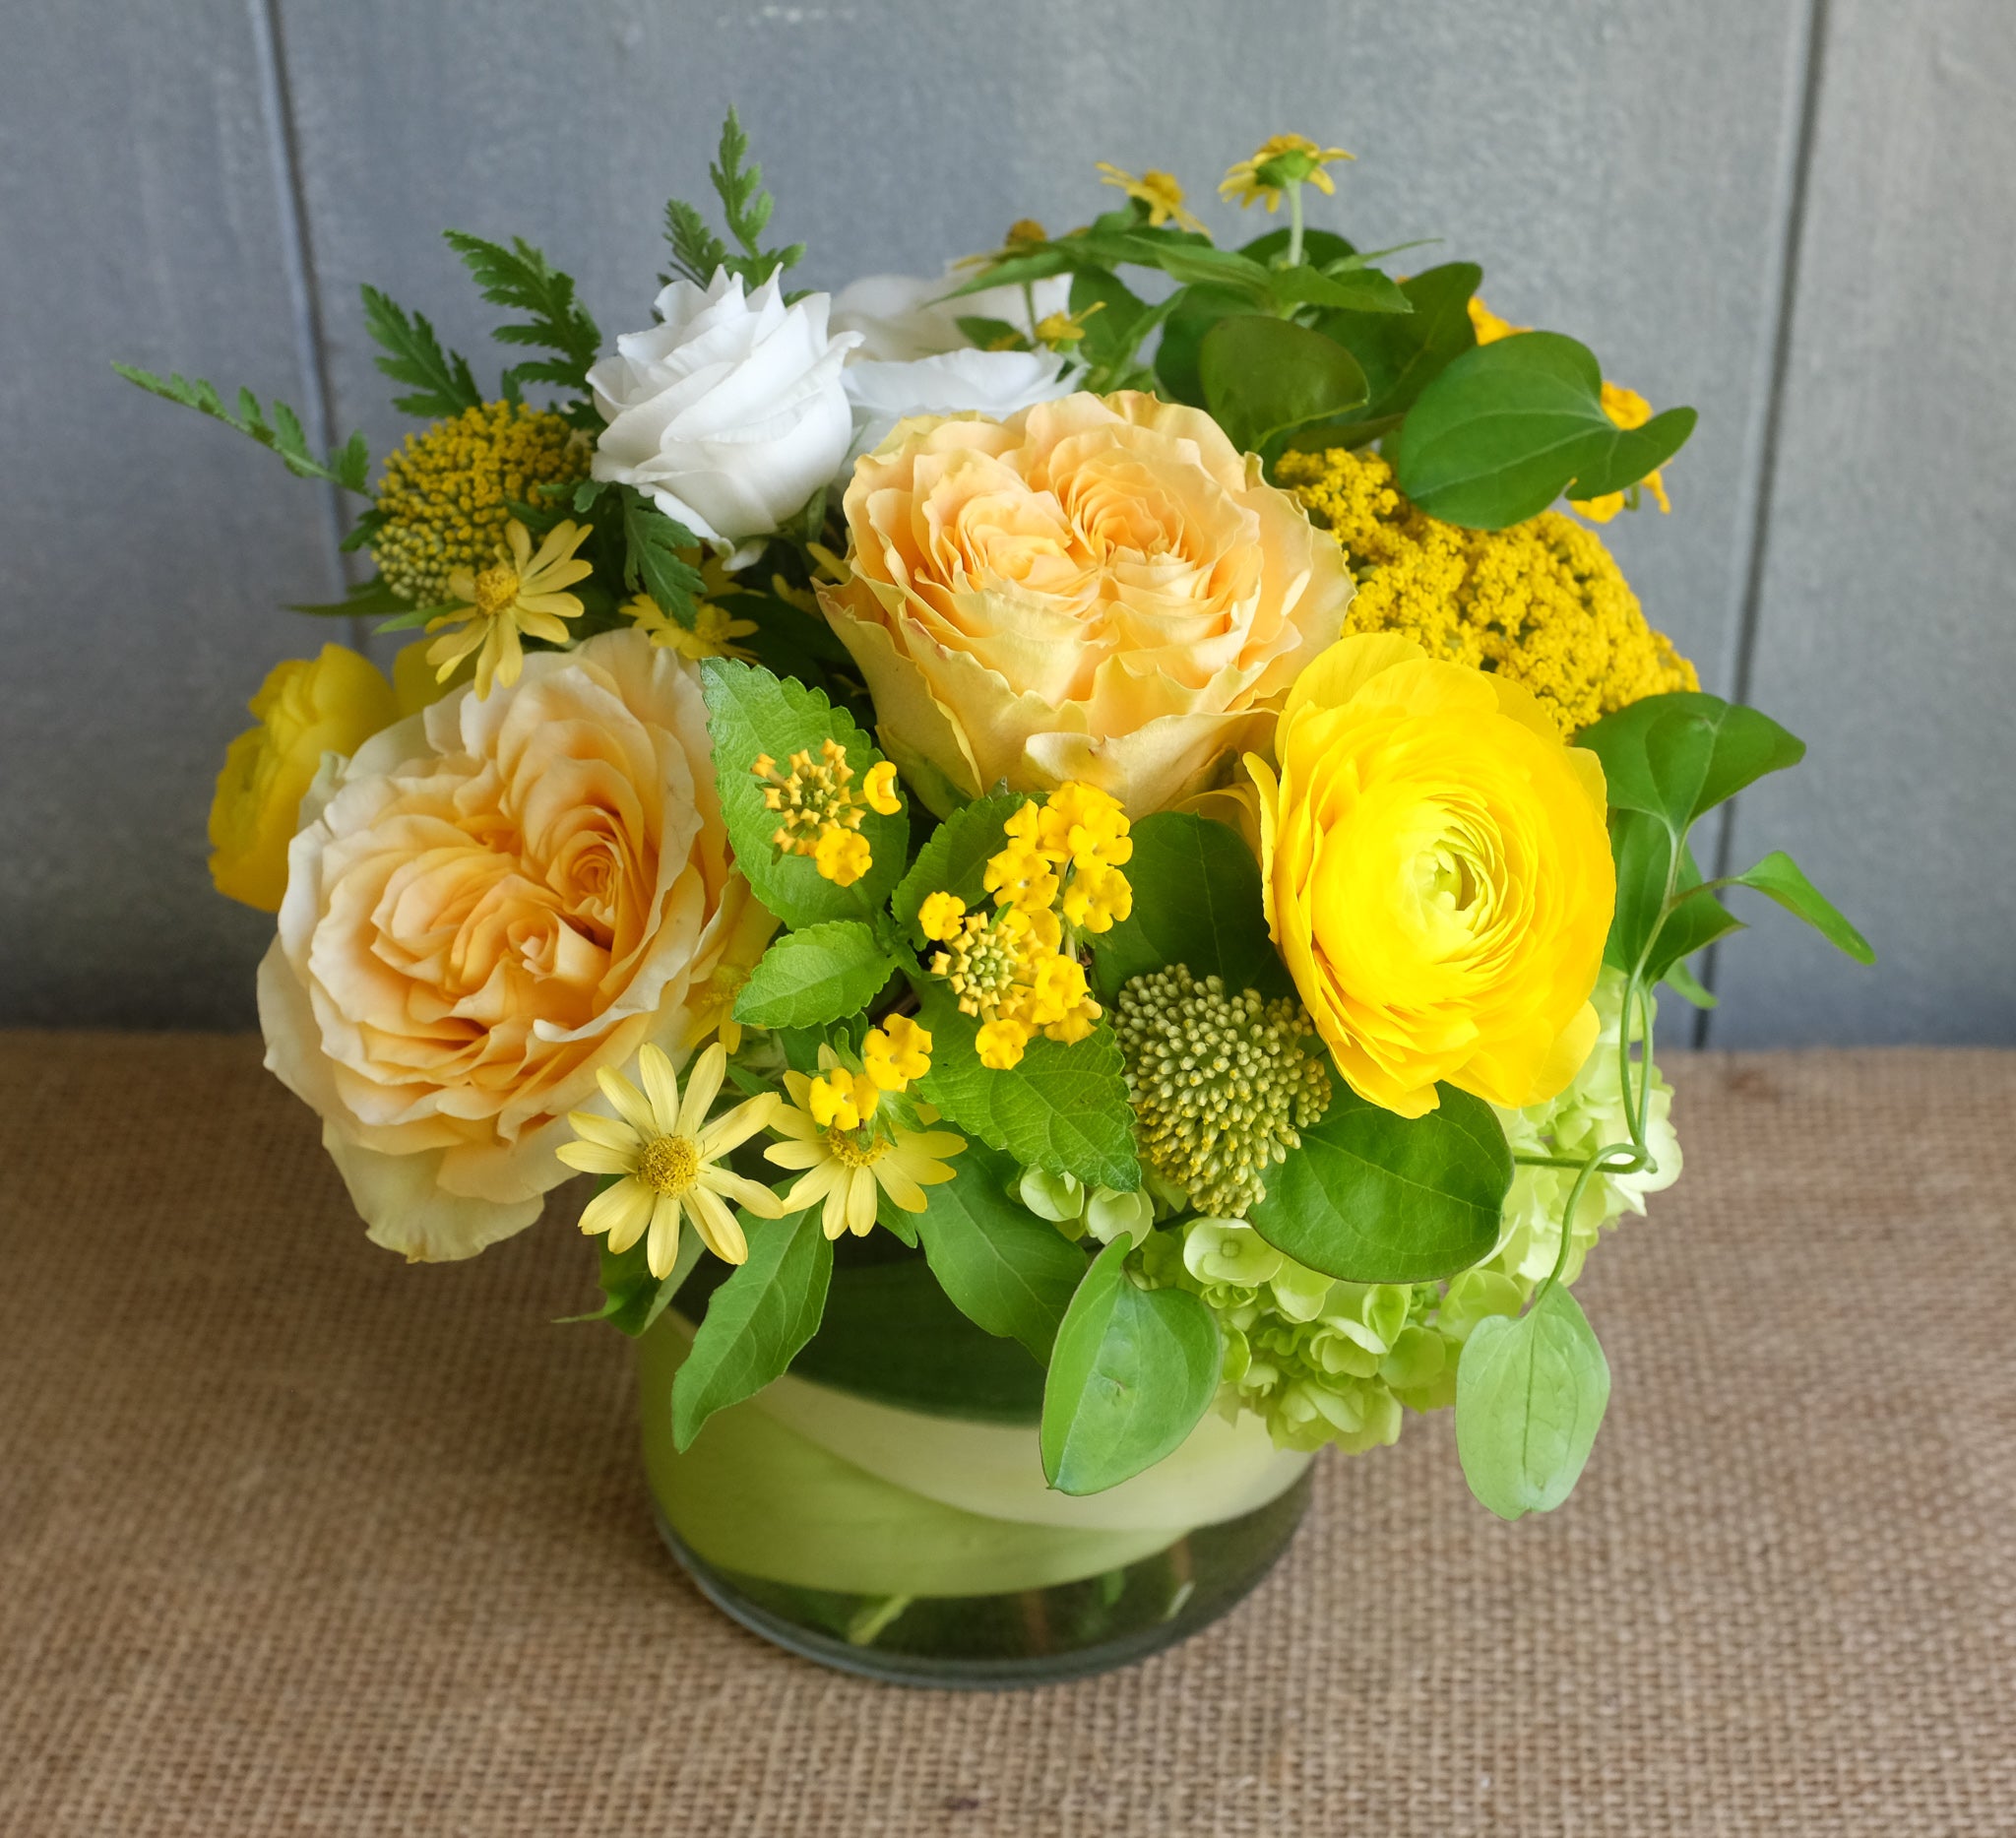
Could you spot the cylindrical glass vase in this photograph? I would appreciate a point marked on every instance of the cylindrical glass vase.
(882, 1508)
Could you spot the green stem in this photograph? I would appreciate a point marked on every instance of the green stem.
(1294, 223)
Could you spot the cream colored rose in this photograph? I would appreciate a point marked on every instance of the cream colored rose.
(1102, 589)
(489, 902)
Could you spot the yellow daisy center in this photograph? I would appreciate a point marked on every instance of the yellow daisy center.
(496, 590)
(853, 1148)
(670, 1165)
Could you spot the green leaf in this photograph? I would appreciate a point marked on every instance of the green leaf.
(1780, 877)
(1007, 1270)
(696, 250)
(756, 1321)
(1401, 354)
(746, 206)
(1508, 428)
(1322, 249)
(1131, 1372)
(750, 712)
(347, 466)
(1357, 290)
(1063, 1109)
(1372, 1197)
(634, 1298)
(440, 381)
(522, 280)
(1196, 903)
(1529, 1398)
(653, 559)
(1676, 756)
(954, 858)
(1264, 377)
(367, 598)
(824, 972)
(1177, 357)
(991, 335)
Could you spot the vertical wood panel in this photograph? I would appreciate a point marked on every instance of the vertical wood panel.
(1886, 636)
(146, 549)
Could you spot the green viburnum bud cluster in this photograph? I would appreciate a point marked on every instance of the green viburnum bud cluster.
(1323, 1362)
(1076, 1209)
(1586, 1116)
(1220, 1084)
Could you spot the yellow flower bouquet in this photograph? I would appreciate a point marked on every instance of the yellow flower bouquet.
(1079, 854)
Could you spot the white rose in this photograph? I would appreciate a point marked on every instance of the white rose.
(904, 316)
(730, 413)
(997, 384)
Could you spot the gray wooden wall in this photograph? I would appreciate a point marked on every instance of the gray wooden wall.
(1795, 214)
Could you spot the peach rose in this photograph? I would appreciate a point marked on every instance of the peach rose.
(1100, 587)
(486, 904)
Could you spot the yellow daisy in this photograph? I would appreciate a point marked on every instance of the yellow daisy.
(1159, 191)
(666, 1153)
(1282, 161)
(711, 635)
(845, 1168)
(516, 594)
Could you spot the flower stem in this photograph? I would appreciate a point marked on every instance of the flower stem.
(1294, 223)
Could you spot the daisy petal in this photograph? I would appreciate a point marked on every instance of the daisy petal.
(629, 1102)
(861, 1203)
(719, 1227)
(899, 1186)
(752, 1194)
(740, 1123)
(622, 1210)
(796, 1154)
(703, 1086)
(596, 1158)
(606, 1130)
(660, 1086)
(662, 1252)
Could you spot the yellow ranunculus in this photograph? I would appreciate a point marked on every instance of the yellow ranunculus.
(1437, 875)
(1100, 587)
(306, 707)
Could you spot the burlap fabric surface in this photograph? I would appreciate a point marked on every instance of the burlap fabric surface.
(297, 1539)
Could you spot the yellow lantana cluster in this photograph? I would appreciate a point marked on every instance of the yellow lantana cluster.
(892, 1055)
(446, 493)
(1543, 602)
(1061, 865)
(822, 810)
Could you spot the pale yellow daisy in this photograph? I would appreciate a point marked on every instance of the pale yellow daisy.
(846, 1168)
(1279, 162)
(668, 1156)
(518, 594)
(1159, 191)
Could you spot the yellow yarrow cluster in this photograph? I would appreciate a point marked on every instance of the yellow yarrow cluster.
(1010, 969)
(446, 493)
(1542, 603)
(822, 810)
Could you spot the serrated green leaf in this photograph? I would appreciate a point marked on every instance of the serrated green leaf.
(282, 435)
(439, 380)
(750, 712)
(820, 973)
(1063, 1109)
(1373, 1197)
(522, 280)
(954, 858)
(1131, 1372)
(1507, 429)
(756, 1321)
(653, 560)
(1264, 377)
(1196, 903)
(1530, 1397)
(1780, 877)
(1005, 1269)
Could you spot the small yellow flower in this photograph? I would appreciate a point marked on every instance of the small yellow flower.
(1487, 326)
(1282, 161)
(1020, 876)
(846, 1167)
(941, 916)
(1025, 231)
(711, 635)
(896, 1052)
(1098, 898)
(518, 594)
(1061, 330)
(841, 1098)
(711, 1007)
(1084, 825)
(1159, 191)
(843, 857)
(666, 1153)
(879, 789)
(1001, 1043)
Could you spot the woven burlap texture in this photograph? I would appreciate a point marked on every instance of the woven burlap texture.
(295, 1538)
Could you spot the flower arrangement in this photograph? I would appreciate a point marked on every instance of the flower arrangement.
(1124, 772)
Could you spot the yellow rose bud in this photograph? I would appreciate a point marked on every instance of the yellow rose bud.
(306, 707)
(1437, 875)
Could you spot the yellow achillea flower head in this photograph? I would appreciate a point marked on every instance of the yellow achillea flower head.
(1625, 406)
(1159, 191)
(847, 1166)
(518, 594)
(1281, 161)
(447, 493)
(822, 809)
(666, 1155)
(1543, 602)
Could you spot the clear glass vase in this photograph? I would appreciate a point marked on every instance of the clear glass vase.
(882, 1508)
